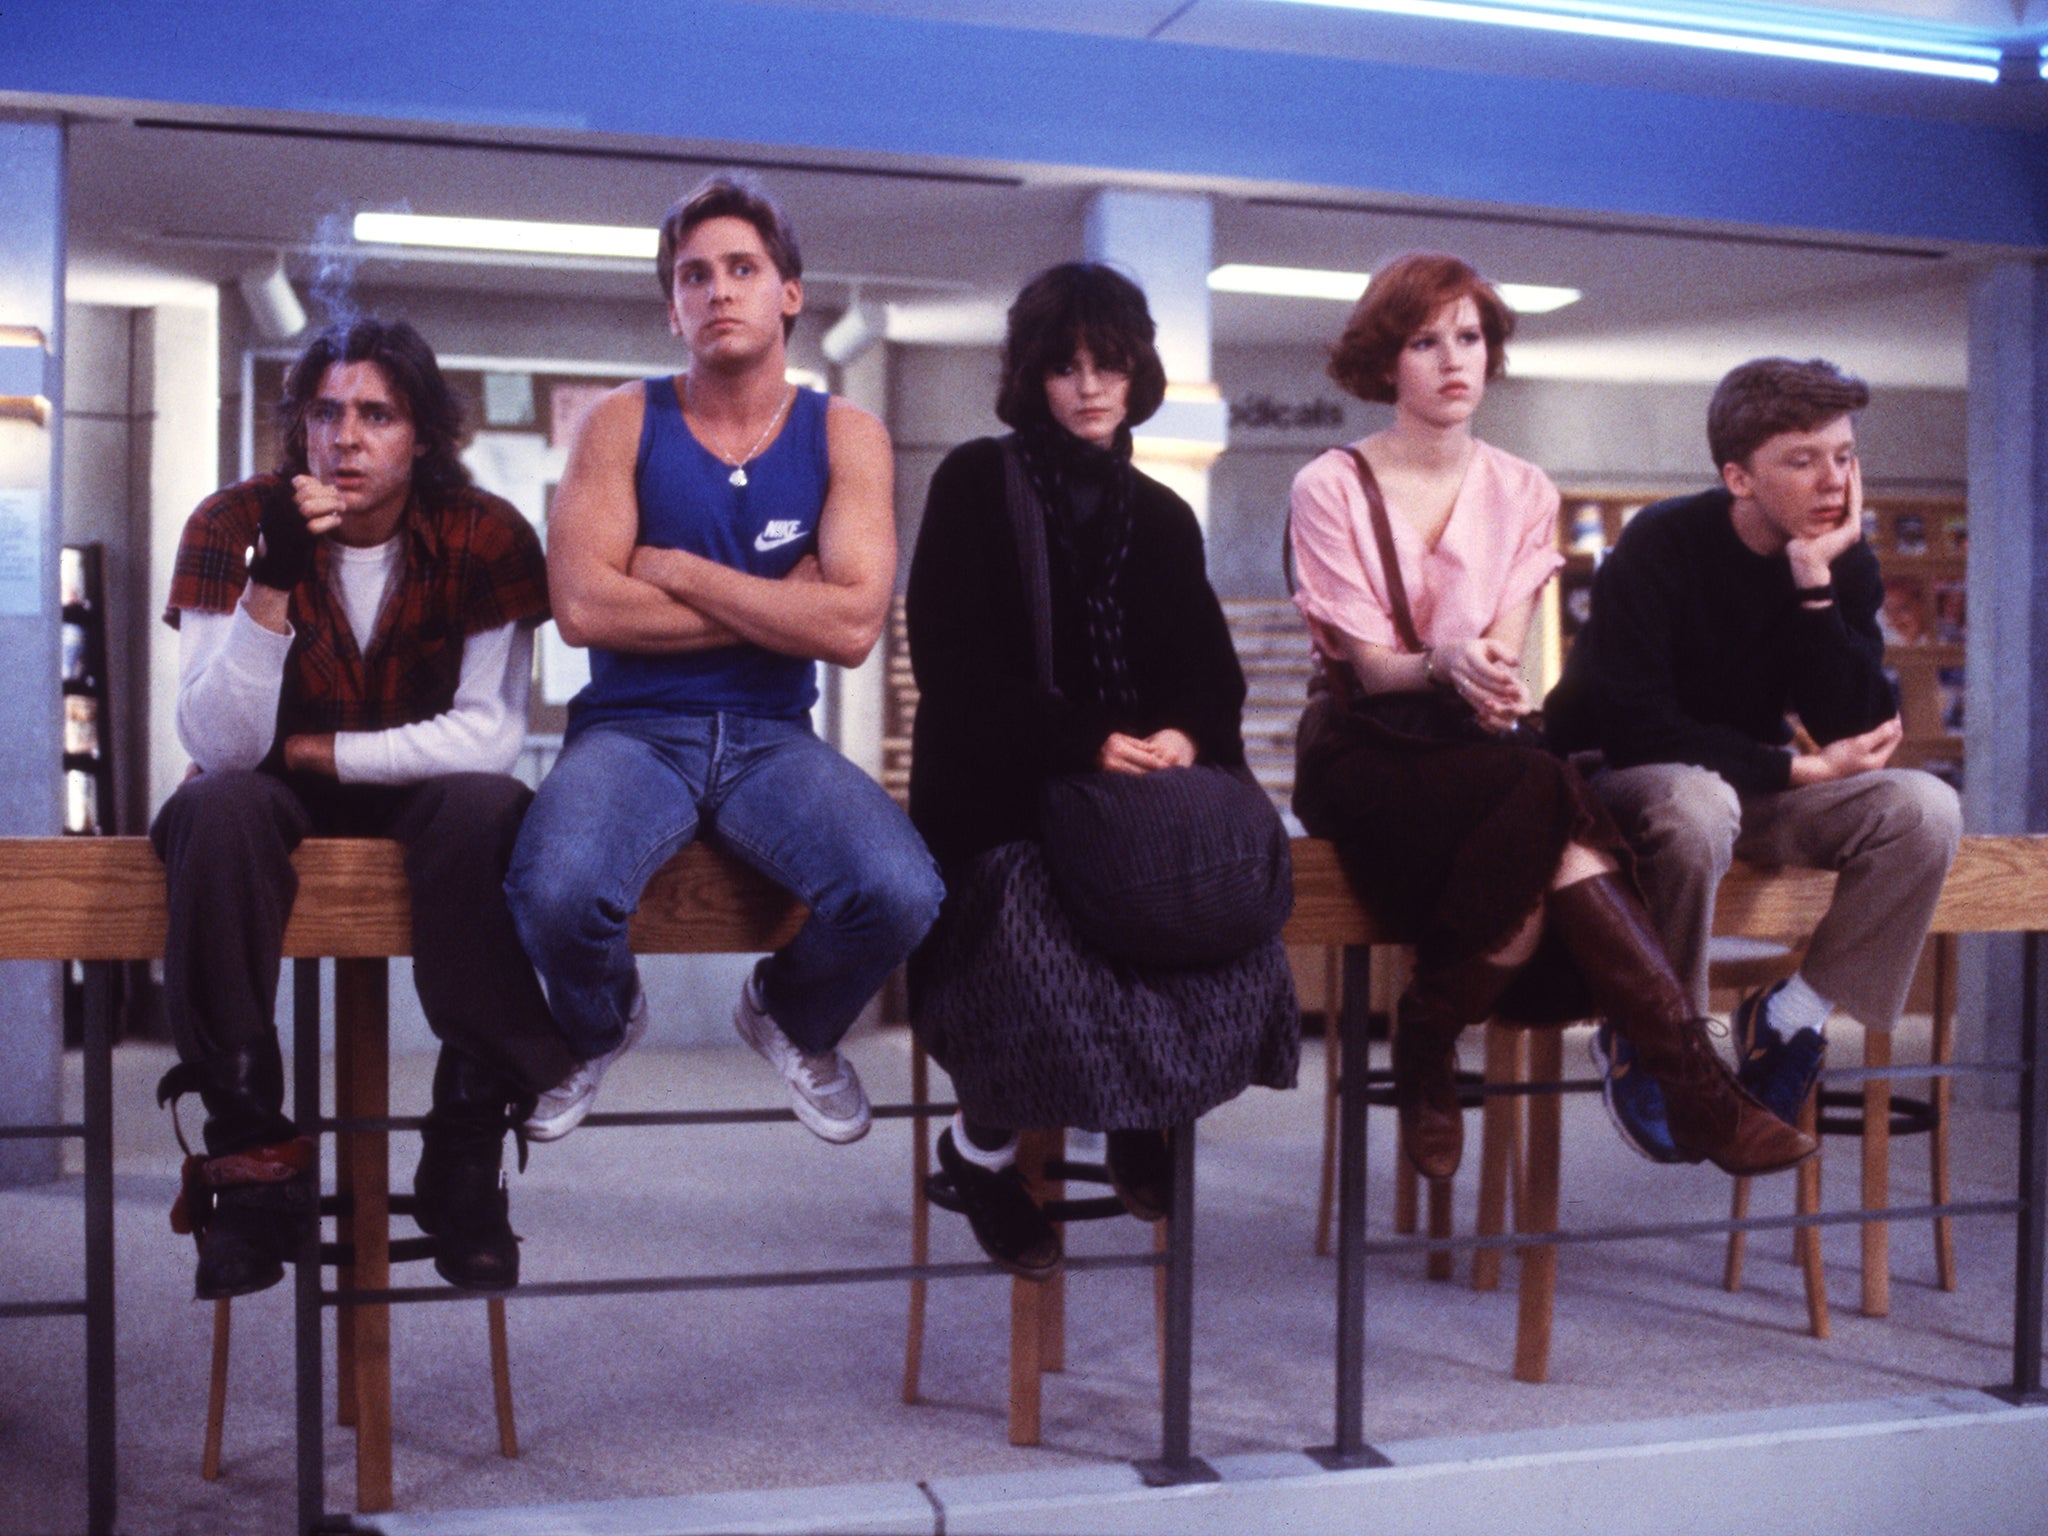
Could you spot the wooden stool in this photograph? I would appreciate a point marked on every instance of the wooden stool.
(1876, 1114)
(364, 1250)
(217, 1386)
(1038, 1308)
(1736, 968)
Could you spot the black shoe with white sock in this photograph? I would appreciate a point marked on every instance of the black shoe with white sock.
(1007, 1222)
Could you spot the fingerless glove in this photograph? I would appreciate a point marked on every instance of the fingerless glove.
(286, 554)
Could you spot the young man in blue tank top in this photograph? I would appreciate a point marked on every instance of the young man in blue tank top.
(716, 534)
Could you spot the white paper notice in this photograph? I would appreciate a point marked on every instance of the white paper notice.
(21, 553)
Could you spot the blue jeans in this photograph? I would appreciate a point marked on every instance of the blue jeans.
(626, 794)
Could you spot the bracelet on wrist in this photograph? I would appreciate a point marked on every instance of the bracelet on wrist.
(1429, 668)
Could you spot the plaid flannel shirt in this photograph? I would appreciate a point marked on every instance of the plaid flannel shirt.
(472, 564)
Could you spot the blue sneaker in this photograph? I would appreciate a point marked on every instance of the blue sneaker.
(1634, 1100)
(1780, 1072)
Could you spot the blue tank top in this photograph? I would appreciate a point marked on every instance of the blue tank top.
(688, 501)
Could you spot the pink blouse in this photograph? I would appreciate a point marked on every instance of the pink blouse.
(1497, 550)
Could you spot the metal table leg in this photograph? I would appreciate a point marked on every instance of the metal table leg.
(2027, 1289)
(1177, 1463)
(100, 1413)
(311, 1390)
(1350, 1449)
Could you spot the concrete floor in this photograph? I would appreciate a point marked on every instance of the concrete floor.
(648, 1396)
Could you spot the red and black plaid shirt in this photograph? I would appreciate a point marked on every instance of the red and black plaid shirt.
(471, 564)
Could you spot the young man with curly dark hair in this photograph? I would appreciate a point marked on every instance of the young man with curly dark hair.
(364, 674)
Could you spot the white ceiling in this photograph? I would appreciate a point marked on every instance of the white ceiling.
(156, 205)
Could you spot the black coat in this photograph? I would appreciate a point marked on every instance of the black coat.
(987, 736)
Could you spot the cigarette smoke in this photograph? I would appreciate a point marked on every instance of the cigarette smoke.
(334, 272)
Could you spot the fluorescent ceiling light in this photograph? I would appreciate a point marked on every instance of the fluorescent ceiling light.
(1535, 298)
(1289, 282)
(1815, 44)
(1345, 287)
(528, 237)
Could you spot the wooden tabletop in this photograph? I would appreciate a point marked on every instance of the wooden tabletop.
(102, 898)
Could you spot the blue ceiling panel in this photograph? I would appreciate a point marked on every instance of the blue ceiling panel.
(866, 85)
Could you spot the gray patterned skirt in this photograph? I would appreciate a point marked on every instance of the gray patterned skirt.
(1036, 1029)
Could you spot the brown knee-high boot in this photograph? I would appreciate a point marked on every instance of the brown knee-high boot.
(1604, 926)
(1433, 1011)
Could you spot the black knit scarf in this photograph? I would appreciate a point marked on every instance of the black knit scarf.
(1091, 548)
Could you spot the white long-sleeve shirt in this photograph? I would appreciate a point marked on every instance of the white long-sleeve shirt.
(231, 673)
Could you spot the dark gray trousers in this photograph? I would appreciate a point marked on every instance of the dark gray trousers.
(226, 839)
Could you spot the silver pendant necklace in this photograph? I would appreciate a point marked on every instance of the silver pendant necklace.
(738, 477)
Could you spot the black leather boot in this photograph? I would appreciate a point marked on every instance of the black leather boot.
(459, 1190)
(251, 1203)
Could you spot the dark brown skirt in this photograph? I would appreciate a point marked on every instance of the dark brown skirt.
(1451, 838)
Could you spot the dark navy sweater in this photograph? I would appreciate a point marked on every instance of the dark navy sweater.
(1697, 651)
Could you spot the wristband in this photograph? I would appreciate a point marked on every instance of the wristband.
(1824, 593)
(287, 554)
(1429, 668)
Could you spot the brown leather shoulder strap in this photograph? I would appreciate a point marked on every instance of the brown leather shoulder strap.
(1390, 562)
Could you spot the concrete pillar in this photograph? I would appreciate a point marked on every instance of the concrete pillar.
(1165, 241)
(2005, 770)
(177, 454)
(31, 748)
(857, 692)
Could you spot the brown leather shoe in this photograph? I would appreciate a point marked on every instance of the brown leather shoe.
(1426, 1086)
(1603, 924)
(1712, 1115)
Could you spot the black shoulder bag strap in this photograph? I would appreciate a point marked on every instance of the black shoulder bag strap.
(1027, 523)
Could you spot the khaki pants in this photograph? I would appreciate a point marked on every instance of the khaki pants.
(1890, 836)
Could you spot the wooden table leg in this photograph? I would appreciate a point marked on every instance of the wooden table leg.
(1052, 1316)
(1877, 1171)
(1738, 1242)
(362, 1012)
(1806, 1241)
(920, 1218)
(1500, 1126)
(217, 1389)
(501, 1378)
(1029, 1301)
(1441, 1262)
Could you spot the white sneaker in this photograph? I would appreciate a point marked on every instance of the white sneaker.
(824, 1090)
(561, 1109)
